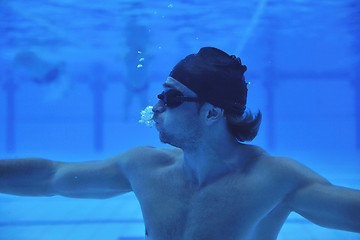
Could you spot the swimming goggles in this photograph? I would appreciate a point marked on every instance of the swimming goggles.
(174, 98)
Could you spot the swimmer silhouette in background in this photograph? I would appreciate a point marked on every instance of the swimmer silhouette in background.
(211, 185)
(31, 67)
(136, 61)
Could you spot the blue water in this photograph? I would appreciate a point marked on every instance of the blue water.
(74, 76)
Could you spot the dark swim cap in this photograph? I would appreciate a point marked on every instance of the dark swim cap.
(215, 77)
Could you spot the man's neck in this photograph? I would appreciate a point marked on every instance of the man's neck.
(208, 163)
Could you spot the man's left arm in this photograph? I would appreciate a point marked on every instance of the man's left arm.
(328, 205)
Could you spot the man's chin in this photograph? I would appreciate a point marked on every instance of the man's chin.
(166, 140)
(162, 138)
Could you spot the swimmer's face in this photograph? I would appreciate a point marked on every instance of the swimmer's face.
(176, 113)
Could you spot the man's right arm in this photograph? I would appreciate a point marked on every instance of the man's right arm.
(28, 176)
(41, 177)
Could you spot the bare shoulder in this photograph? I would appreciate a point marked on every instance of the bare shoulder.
(145, 157)
(294, 173)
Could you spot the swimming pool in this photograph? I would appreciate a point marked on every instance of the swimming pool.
(66, 93)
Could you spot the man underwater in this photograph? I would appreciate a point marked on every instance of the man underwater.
(211, 186)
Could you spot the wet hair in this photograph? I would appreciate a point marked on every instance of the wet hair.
(218, 78)
(244, 127)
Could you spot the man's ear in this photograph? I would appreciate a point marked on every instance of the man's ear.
(213, 113)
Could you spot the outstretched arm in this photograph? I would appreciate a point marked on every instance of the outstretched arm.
(41, 177)
(28, 176)
(96, 179)
(328, 205)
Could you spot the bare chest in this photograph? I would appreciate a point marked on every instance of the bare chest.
(229, 207)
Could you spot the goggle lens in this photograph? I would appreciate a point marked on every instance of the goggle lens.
(174, 98)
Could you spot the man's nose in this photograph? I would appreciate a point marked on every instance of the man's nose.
(159, 107)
